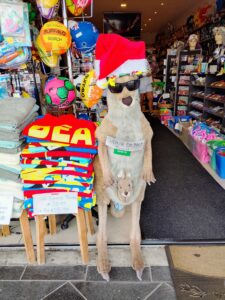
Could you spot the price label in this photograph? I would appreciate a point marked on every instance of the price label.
(55, 203)
(123, 145)
(6, 207)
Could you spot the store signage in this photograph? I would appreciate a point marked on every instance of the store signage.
(6, 207)
(55, 203)
(123, 145)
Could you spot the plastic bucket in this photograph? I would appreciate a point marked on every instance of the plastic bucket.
(220, 162)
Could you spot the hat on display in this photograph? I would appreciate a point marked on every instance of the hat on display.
(116, 56)
(48, 8)
(84, 35)
(76, 7)
(55, 37)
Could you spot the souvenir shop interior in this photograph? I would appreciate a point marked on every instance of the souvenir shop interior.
(51, 104)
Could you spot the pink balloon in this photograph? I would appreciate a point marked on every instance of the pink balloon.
(82, 3)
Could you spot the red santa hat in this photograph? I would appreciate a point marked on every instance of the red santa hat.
(116, 55)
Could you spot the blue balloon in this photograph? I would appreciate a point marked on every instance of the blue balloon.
(84, 35)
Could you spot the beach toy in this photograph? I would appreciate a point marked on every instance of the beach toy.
(90, 93)
(55, 37)
(77, 83)
(48, 9)
(76, 7)
(220, 162)
(59, 91)
(84, 35)
(51, 60)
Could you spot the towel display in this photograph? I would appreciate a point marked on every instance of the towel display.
(15, 114)
(58, 157)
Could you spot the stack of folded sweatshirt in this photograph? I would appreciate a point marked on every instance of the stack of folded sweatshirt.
(58, 157)
(15, 114)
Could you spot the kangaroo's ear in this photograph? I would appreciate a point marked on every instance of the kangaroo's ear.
(121, 174)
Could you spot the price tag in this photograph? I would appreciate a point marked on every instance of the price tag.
(6, 207)
(123, 145)
(55, 203)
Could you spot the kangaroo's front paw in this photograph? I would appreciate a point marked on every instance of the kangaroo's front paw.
(148, 176)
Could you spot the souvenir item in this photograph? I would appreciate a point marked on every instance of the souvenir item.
(76, 7)
(55, 37)
(59, 91)
(51, 60)
(90, 93)
(48, 9)
(84, 35)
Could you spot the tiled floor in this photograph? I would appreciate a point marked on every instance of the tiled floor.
(80, 282)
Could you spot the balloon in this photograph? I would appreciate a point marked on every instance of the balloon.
(77, 83)
(84, 35)
(47, 3)
(55, 37)
(48, 12)
(76, 7)
(90, 93)
(51, 60)
(59, 91)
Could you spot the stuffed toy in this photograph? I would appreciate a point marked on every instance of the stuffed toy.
(124, 142)
(122, 190)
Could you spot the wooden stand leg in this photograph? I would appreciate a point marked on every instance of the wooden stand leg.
(52, 224)
(5, 230)
(27, 237)
(82, 232)
(40, 235)
(89, 221)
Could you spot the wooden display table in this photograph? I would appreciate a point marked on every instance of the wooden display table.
(84, 224)
(27, 237)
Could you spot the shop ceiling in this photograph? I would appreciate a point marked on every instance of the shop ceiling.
(155, 13)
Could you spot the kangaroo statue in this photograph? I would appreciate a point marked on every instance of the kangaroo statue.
(124, 143)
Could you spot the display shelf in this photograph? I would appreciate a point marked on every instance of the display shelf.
(185, 69)
(171, 62)
(216, 87)
(197, 85)
(198, 118)
(209, 111)
(214, 100)
(198, 107)
(207, 93)
(207, 167)
(198, 96)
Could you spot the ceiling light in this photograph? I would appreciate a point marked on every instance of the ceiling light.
(123, 5)
(162, 3)
(155, 12)
(145, 25)
(149, 19)
(141, 29)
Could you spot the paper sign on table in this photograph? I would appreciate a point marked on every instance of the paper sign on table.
(6, 207)
(55, 203)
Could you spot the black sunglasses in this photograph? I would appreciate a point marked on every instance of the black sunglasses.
(131, 85)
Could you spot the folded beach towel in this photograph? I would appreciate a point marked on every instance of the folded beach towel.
(13, 111)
